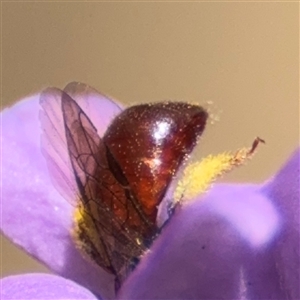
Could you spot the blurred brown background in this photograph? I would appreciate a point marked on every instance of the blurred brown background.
(242, 57)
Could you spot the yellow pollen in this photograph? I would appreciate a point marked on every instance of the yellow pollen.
(198, 176)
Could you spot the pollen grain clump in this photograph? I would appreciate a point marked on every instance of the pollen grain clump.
(84, 233)
(197, 177)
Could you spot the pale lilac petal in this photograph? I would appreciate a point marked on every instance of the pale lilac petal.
(42, 287)
(34, 214)
(238, 242)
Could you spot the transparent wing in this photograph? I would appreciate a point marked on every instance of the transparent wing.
(100, 108)
(54, 144)
(116, 244)
(53, 137)
(78, 162)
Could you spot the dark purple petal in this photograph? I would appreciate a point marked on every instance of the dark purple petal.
(238, 242)
(279, 265)
(34, 214)
(41, 287)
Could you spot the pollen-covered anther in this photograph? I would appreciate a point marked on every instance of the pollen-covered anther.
(197, 177)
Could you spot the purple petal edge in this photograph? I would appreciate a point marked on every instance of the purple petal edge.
(42, 287)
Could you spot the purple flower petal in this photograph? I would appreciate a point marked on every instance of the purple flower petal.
(279, 265)
(34, 215)
(238, 242)
(43, 287)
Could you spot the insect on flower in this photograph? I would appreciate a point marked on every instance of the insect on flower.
(118, 180)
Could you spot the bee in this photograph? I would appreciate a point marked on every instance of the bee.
(118, 178)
